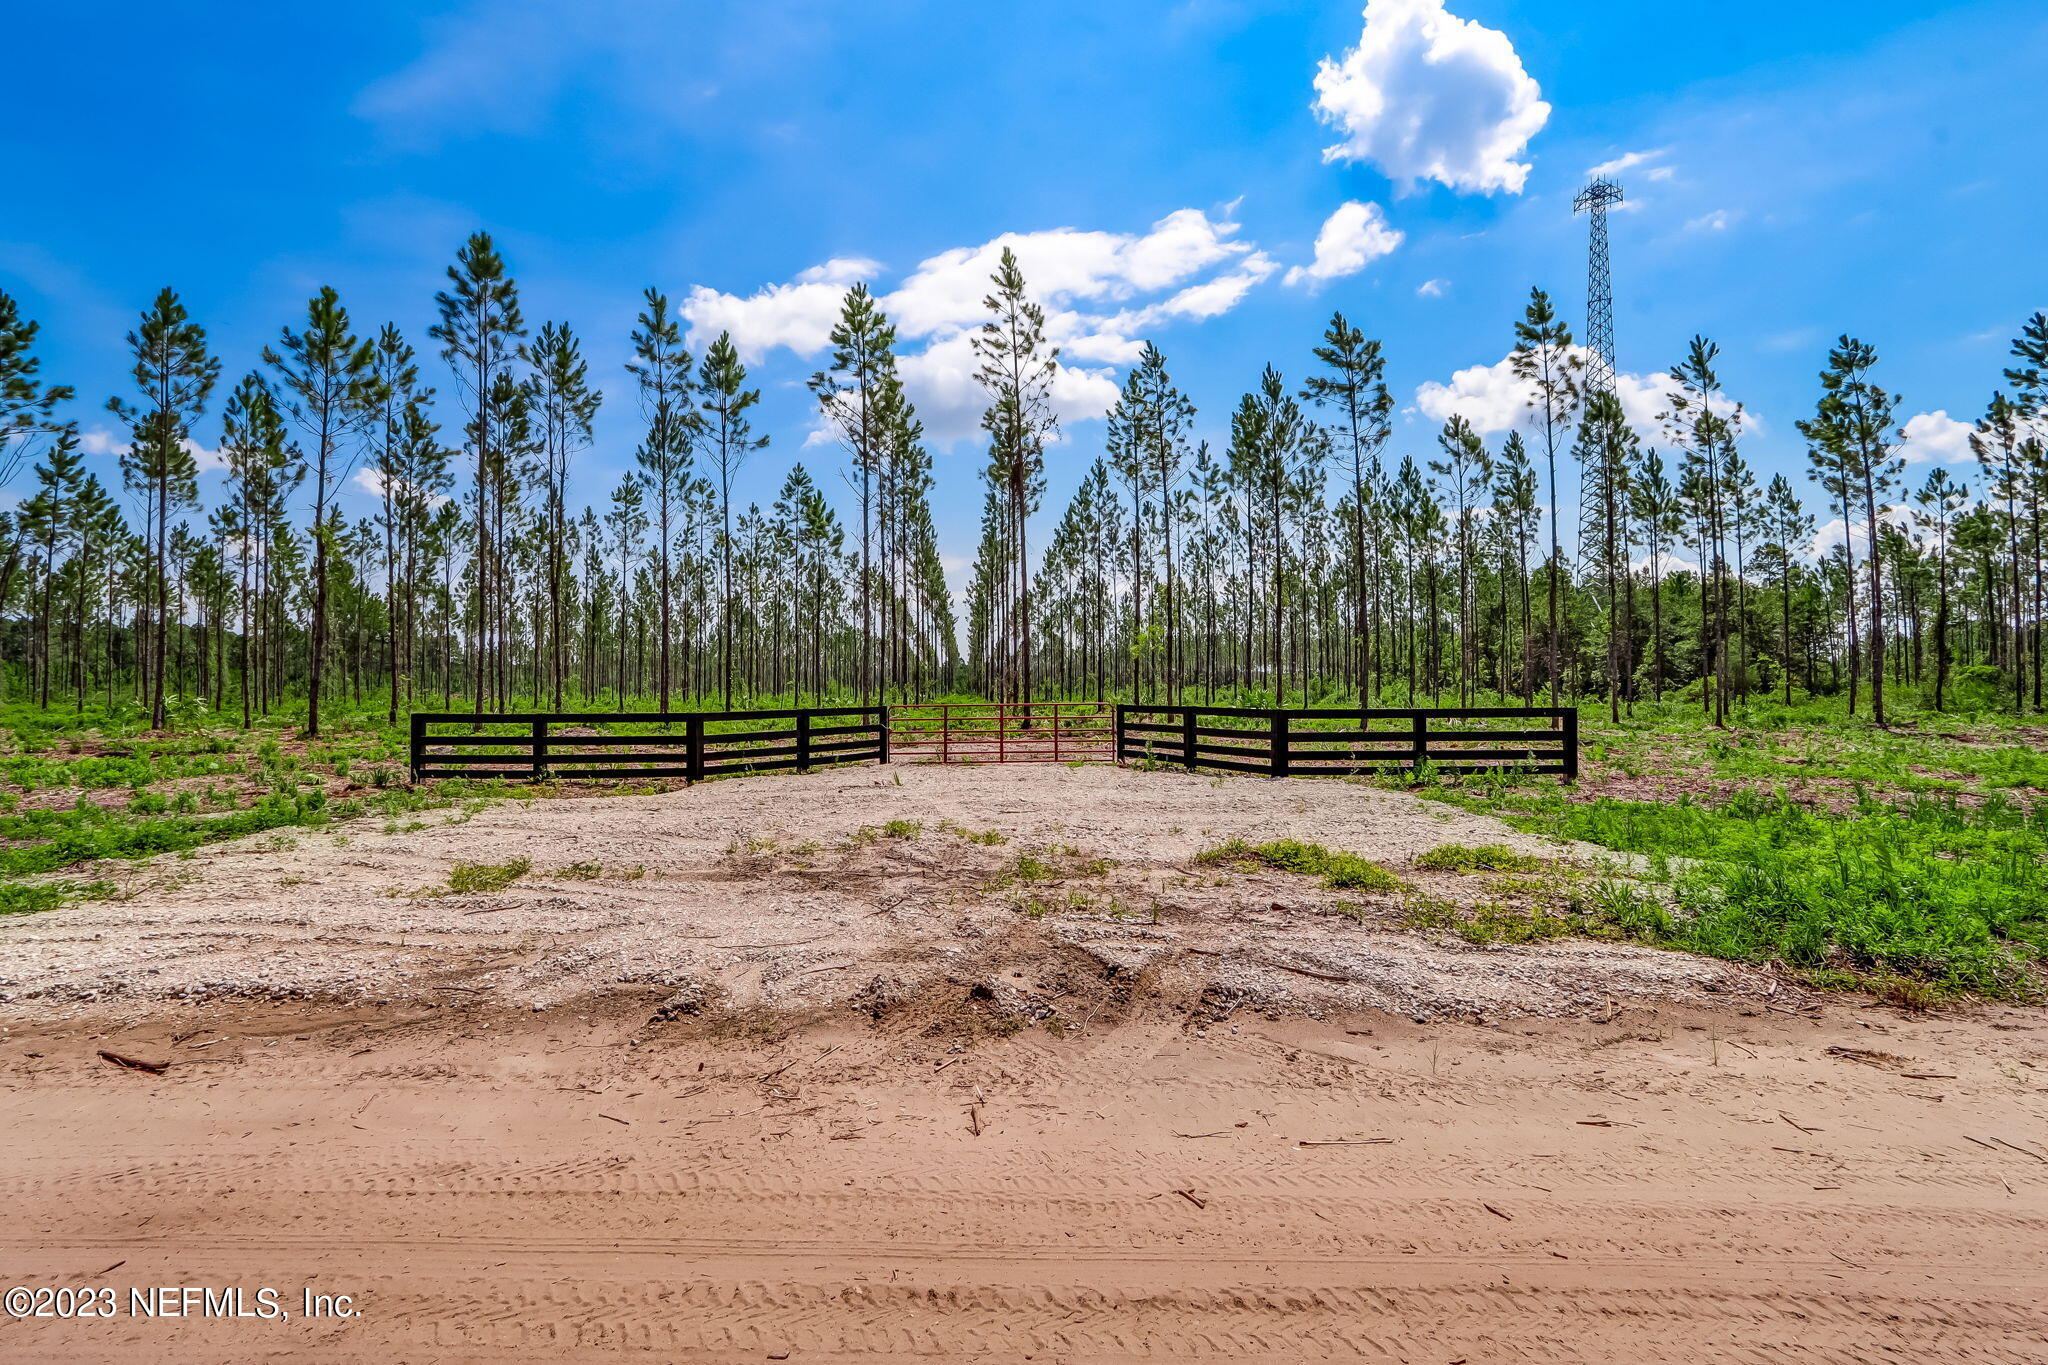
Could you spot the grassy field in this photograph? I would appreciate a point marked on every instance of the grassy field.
(1908, 861)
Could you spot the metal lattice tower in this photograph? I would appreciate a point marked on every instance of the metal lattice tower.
(1594, 201)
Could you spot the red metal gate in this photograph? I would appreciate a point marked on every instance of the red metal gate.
(1002, 732)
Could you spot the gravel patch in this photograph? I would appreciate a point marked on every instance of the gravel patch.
(783, 892)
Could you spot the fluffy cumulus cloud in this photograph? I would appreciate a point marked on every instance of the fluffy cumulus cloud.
(798, 315)
(1937, 438)
(1102, 292)
(1429, 96)
(1351, 239)
(1494, 400)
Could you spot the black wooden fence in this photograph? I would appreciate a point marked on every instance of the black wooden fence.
(1312, 742)
(535, 744)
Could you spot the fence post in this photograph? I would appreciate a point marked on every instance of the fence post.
(419, 743)
(1571, 745)
(1187, 736)
(1420, 757)
(1279, 742)
(693, 749)
(540, 750)
(884, 719)
(803, 741)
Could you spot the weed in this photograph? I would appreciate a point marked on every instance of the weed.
(579, 872)
(23, 898)
(469, 879)
(1027, 868)
(1486, 924)
(1344, 870)
(903, 829)
(1480, 858)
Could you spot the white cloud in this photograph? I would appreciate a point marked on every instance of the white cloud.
(950, 400)
(1629, 161)
(1351, 239)
(1433, 289)
(1429, 96)
(1833, 533)
(1494, 400)
(1718, 221)
(1937, 438)
(1102, 292)
(100, 441)
(1490, 397)
(371, 480)
(1065, 266)
(796, 316)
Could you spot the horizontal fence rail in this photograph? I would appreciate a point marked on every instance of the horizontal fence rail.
(1002, 732)
(1333, 742)
(692, 746)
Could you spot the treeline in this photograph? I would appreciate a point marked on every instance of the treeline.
(1308, 557)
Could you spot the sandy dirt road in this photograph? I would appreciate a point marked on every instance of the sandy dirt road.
(491, 1184)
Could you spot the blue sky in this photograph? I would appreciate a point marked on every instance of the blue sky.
(1794, 171)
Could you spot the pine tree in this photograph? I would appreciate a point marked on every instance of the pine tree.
(1854, 427)
(859, 397)
(175, 374)
(1544, 360)
(1999, 442)
(479, 324)
(1016, 366)
(1514, 503)
(1654, 503)
(390, 390)
(328, 371)
(559, 392)
(26, 403)
(1941, 501)
(666, 454)
(1355, 390)
(728, 440)
(51, 518)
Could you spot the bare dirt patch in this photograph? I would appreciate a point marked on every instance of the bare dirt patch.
(854, 888)
(1670, 1186)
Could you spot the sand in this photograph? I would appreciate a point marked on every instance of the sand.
(784, 892)
(851, 1104)
(492, 1185)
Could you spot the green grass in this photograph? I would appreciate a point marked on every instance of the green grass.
(469, 879)
(1489, 922)
(21, 898)
(1935, 889)
(1337, 869)
(1477, 858)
